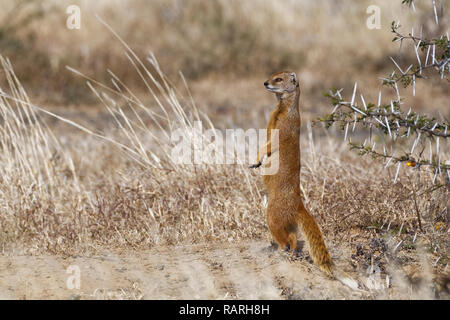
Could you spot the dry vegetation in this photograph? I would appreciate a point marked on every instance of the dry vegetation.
(84, 179)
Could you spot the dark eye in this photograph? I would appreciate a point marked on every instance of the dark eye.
(278, 80)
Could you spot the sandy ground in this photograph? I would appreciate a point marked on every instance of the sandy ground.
(244, 271)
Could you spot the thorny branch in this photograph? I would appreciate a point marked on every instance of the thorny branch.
(440, 57)
(398, 126)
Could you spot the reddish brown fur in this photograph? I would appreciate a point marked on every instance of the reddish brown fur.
(285, 208)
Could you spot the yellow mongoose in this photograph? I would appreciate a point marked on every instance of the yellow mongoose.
(285, 209)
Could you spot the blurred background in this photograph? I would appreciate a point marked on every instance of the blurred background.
(225, 49)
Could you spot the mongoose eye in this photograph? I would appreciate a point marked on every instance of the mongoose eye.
(278, 80)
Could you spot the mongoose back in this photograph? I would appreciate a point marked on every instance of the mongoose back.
(285, 209)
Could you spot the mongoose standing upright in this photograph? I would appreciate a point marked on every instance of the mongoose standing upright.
(285, 209)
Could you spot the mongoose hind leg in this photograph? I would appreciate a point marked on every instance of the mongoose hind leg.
(300, 252)
(281, 238)
(292, 242)
(278, 231)
(295, 246)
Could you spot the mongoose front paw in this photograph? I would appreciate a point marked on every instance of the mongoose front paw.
(255, 165)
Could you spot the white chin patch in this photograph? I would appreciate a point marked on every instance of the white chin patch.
(273, 89)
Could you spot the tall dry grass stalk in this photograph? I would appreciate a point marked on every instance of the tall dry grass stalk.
(34, 167)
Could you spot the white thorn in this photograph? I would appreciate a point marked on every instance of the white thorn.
(398, 67)
(417, 55)
(354, 93)
(396, 173)
(433, 61)
(437, 260)
(388, 127)
(415, 143)
(437, 145)
(397, 92)
(389, 161)
(428, 54)
(379, 121)
(364, 102)
(435, 12)
(431, 152)
(398, 244)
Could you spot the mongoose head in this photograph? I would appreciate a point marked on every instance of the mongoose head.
(282, 82)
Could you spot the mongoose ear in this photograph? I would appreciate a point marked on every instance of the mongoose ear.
(294, 78)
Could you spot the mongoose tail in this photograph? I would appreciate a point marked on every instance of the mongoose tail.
(319, 252)
(345, 279)
(313, 235)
